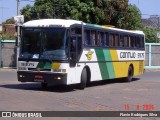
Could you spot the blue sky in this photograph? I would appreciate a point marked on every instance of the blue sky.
(149, 7)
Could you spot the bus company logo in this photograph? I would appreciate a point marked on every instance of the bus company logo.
(89, 55)
(6, 114)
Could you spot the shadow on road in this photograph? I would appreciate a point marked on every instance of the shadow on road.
(111, 81)
(37, 87)
(62, 88)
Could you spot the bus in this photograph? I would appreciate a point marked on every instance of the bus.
(65, 52)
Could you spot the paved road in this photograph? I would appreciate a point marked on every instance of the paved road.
(102, 96)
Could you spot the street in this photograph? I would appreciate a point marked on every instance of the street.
(113, 95)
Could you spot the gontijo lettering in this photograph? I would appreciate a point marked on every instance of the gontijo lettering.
(127, 55)
(131, 54)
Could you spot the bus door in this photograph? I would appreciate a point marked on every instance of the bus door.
(75, 50)
(75, 45)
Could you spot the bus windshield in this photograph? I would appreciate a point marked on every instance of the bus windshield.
(44, 43)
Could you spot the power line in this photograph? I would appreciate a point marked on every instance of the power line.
(28, 0)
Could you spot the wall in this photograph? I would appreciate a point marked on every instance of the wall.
(8, 53)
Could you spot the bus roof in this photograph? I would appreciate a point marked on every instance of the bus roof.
(68, 23)
(51, 23)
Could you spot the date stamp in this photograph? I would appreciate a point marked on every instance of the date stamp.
(139, 107)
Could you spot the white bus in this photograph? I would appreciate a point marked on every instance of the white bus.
(57, 51)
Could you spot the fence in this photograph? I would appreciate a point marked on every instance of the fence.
(152, 55)
(8, 54)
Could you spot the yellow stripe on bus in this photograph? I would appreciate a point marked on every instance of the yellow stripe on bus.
(118, 66)
(56, 65)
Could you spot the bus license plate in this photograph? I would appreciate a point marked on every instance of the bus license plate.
(38, 78)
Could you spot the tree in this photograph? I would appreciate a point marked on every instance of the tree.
(150, 34)
(134, 18)
(9, 21)
(104, 12)
(27, 12)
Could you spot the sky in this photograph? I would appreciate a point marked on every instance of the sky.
(8, 8)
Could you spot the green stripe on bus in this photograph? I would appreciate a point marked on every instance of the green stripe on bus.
(40, 65)
(102, 65)
(45, 65)
(93, 25)
(109, 65)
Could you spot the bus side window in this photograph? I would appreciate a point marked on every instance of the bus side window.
(116, 40)
(137, 42)
(111, 40)
(126, 41)
(93, 38)
(98, 39)
(121, 41)
(132, 41)
(142, 42)
(102, 38)
(106, 40)
(87, 37)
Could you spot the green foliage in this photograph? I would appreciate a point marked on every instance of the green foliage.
(8, 37)
(9, 21)
(134, 18)
(151, 34)
(117, 13)
(103, 12)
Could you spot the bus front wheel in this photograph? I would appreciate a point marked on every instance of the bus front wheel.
(83, 79)
(130, 74)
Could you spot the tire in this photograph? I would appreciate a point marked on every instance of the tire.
(44, 85)
(83, 79)
(130, 74)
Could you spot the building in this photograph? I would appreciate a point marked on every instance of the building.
(153, 21)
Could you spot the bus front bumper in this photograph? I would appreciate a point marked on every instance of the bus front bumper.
(51, 78)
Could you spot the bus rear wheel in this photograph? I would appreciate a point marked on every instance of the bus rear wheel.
(130, 74)
(83, 79)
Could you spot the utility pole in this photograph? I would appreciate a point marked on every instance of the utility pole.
(158, 26)
(158, 22)
(18, 32)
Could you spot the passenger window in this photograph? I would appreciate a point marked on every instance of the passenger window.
(142, 42)
(87, 37)
(116, 40)
(93, 38)
(132, 41)
(106, 40)
(111, 40)
(98, 39)
(137, 42)
(102, 38)
(126, 41)
(121, 41)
